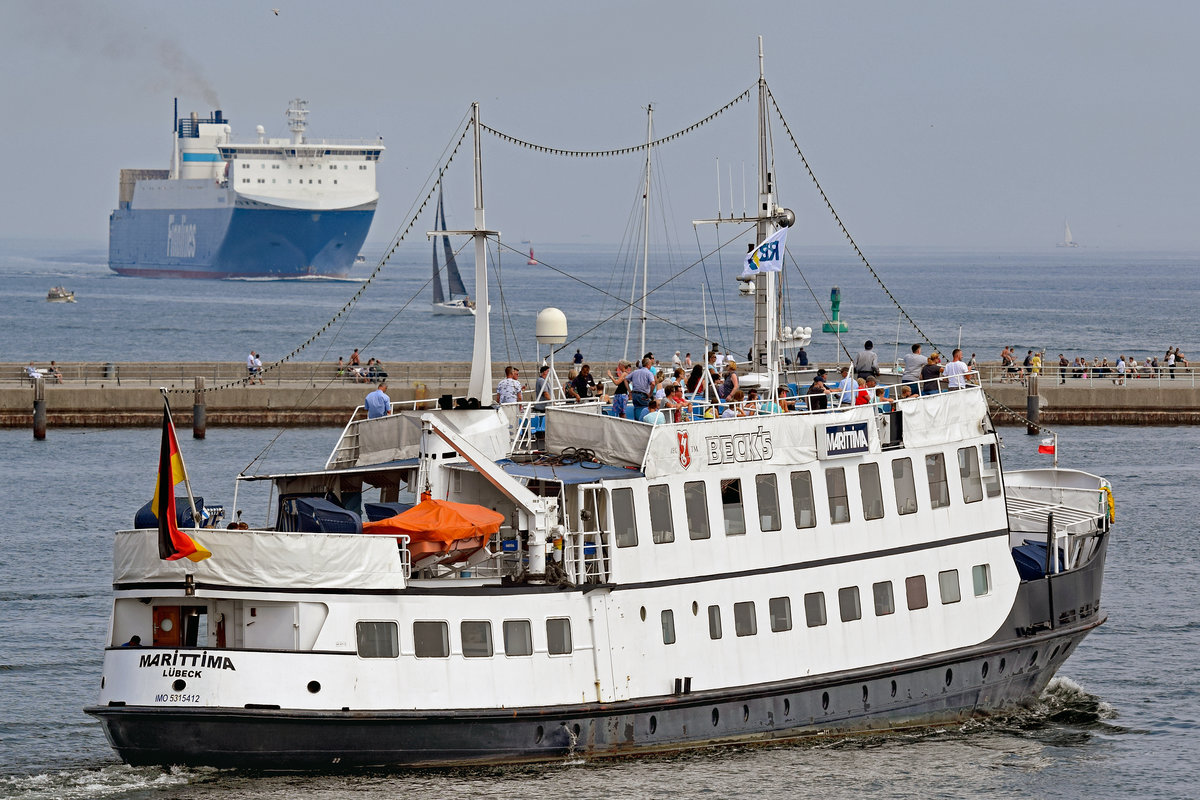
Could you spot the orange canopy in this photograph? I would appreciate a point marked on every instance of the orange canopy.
(439, 521)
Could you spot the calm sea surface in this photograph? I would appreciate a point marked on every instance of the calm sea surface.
(1122, 720)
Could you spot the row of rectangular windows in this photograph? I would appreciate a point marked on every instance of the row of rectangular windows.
(242, 152)
(975, 483)
(264, 180)
(245, 167)
(745, 620)
(431, 638)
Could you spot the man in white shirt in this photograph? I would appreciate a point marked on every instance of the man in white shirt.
(509, 388)
(846, 387)
(956, 371)
(253, 368)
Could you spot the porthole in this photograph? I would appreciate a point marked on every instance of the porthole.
(314, 687)
(893, 688)
(787, 707)
(745, 713)
(1066, 647)
(716, 717)
(1033, 658)
(166, 624)
(575, 728)
(537, 735)
(653, 723)
(866, 694)
(179, 685)
(825, 700)
(1054, 655)
(984, 670)
(695, 608)
(949, 676)
(1002, 666)
(643, 613)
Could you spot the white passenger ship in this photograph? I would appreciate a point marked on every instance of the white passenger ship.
(720, 581)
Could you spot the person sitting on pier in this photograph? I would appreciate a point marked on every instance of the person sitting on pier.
(378, 403)
(653, 416)
(32, 373)
(54, 373)
(509, 388)
(341, 366)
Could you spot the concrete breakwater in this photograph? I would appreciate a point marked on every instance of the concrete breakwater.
(307, 393)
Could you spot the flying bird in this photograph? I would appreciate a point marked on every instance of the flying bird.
(276, 10)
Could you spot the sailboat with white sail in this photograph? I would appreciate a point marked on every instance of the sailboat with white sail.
(1067, 240)
(459, 301)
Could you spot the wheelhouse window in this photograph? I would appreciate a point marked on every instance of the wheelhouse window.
(768, 502)
(745, 623)
(848, 604)
(917, 596)
(948, 585)
(714, 622)
(660, 513)
(732, 508)
(668, 626)
(814, 609)
(872, 494)
(781, 613)
(558, 636)
(476, 638)
(624, 523)
(981, 578)
(802, 500)
(991, 470)
(695, 503)
(906, 489)
(839, 501)
(518, 637)
(377, 639)
(968, 473)
(935, 469)
(885, 603)
(431, 639)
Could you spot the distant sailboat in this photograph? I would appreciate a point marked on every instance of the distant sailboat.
(1067, 240)
(460, 301)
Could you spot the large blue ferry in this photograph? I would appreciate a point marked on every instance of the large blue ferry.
(271, 208)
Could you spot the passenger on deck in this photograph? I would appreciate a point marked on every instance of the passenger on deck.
(734, 407)
(509, 388)
(653, 416)
(541, 390)
(731, 380)
(752, 405)
(817, 393)
(956, 371)
(781, 405)
(862, 397)
(867, 361)
(931, 375)
(801, 357)
(913, 362)
(641, 387)
(134, 641)
(676, 405)
(583, 386)
(378, 403)
(845, 387)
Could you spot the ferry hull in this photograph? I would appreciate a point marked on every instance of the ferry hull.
(236, 242)
(1007, 672)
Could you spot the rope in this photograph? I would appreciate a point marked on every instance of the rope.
(620, 151)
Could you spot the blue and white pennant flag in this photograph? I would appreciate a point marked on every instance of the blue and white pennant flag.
(768, 256)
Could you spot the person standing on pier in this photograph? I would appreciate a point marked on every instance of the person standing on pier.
(378, 403)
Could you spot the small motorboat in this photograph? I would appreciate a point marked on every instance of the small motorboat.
(60, 294)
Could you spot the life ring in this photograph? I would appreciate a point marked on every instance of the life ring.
(1112, 505)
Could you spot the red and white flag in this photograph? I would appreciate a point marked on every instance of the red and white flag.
(1046, 446)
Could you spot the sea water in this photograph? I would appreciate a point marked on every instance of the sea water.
(1121, 720)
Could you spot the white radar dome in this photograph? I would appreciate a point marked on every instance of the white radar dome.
(551, 326)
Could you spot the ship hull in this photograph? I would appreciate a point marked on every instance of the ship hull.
(238, 242)
(1048, 620)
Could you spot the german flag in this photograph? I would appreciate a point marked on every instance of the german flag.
(172, 542)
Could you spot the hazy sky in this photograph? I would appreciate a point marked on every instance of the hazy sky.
(965, 124)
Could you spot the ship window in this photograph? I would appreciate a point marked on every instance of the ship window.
(884, 602)
(624, 524)
(714, 622)
(814, 609)
(839, 503)
(518, 638)
(744, 621)
(872, 494)
(991, 471)
(695, 501)
(781, 613)
(668, 626)
(968, 471)
(848, 604)
(981, 577)
(906, 490)
(914, 588)
(731, 507)
(431, 639)
(802, 500)
(768, 502)
(935, 469)
(948, 584)
(558, 636)
(660, 513)
(476, 639)
(335, 181)
(378, 639)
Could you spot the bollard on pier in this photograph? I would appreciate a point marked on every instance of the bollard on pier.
(1031, 407)
(39, 409)
(199, 423)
